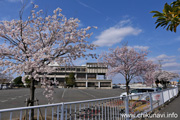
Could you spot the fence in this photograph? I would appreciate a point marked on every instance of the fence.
(113, 108)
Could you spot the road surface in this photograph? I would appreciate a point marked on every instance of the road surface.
(11, 98)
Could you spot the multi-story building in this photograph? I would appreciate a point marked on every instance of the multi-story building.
(92, 75)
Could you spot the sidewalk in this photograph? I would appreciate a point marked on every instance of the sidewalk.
(170, 111)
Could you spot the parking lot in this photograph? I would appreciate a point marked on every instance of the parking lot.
(11, 98)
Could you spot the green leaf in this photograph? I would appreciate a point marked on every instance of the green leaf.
(170, 17)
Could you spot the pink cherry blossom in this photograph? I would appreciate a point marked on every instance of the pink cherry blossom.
(127, 62)
(164, 76)
(30, 45)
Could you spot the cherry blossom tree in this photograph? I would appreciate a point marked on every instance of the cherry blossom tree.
(147, 75)
(127, 62)
(29, 46)
(3, 78)
(164, 77)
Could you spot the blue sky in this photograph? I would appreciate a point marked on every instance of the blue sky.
(118, 21)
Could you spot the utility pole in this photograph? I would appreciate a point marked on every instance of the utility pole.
(160, 65)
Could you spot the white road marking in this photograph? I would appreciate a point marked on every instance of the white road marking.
(88, 94)
(19, 96)
(13, 98)
(4, 101)
(63, 93)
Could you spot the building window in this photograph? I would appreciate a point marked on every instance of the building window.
(62, 69)
(68, 69)
(73, 69)
(101, 76)
(80, 75)
(105, 84)
(92, 84)
(83, 69)
(59, 73)
(91, 76)
(80, 84)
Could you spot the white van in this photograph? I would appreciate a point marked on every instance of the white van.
(140, 91)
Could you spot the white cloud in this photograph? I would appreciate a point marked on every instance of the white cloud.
(139, 47)
(126, 22)
(172, 67)
(175, 71)
(115, 35)
(164, 56)
(171, 64)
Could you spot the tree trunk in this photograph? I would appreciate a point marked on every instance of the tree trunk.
(157, 85)
(32, 91)
(165, 85)
(127, 87)
(157, 82)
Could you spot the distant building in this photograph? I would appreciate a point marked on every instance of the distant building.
(137, 85)
(92, 75)
(174, 82)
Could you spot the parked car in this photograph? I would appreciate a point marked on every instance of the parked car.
(4, 87)
(116, 86)
(124, 87)
(173, 85)
(140, 91)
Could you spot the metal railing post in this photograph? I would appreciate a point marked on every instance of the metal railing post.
(173, 92)
(177, 90)
(151, 101)
(162, 97)
(10, 116)
(127, 107)
(58, 112)
(169, 95)
(62, 111)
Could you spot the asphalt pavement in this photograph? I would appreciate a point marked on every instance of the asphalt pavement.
(12, 98)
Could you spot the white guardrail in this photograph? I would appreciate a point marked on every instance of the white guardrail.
(112, 108)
